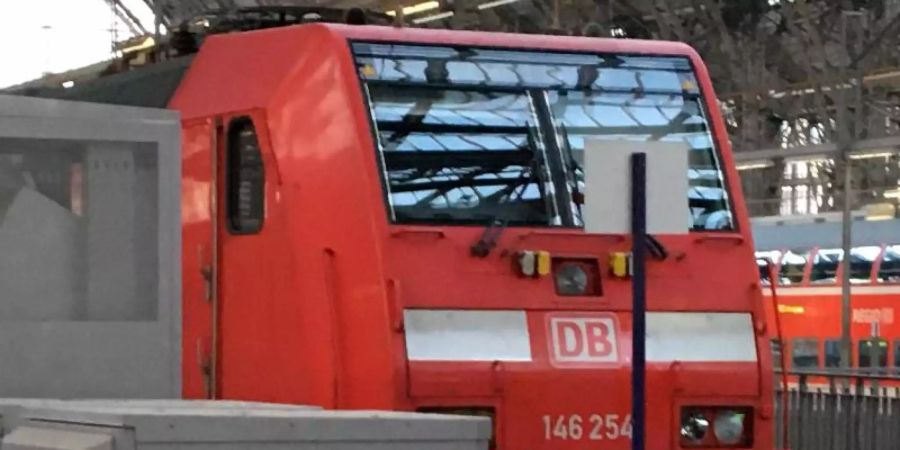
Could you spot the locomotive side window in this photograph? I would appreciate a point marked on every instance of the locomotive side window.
(793, 264)
(889, 272)
(832, 353)
(805, 353)
(873, 349)
(245, 178)
(825, 265)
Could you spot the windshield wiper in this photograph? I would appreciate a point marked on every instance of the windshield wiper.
(656, 249)
(491, 235)
(488, 240)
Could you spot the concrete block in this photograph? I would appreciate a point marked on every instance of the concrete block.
(32, 438)
(174, 425)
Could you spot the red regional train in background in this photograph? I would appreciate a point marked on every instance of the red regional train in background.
(809, 262)
(389, 218)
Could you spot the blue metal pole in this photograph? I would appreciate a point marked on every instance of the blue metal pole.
(639, 301)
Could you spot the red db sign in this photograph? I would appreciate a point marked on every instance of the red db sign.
(578, 340)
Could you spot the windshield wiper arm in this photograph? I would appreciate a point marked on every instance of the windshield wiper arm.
(488, 239)
(656, 249)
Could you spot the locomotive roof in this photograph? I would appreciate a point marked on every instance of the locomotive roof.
(510, 40)
(156, 85)
(150, 87)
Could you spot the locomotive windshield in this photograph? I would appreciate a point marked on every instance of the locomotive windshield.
(469, 135)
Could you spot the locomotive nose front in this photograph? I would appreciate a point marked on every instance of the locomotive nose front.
(562, 380)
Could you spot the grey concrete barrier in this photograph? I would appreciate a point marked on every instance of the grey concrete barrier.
(178, 424)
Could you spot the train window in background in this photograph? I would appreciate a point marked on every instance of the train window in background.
(897, 353)
(889, 272)
(832, 353)
(793, 264)
(245, 179)
(761, 257)
(861, 261)
(805, 353)
(825, 265)
(870, 349)
(776, 352)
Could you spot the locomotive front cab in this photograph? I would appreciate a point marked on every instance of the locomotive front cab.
(509, 308)
(425, 237)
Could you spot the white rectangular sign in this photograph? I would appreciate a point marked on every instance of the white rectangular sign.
(467, 335)
(607, 168)
(700, 337)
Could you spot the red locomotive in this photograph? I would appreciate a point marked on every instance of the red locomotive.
(391, 218)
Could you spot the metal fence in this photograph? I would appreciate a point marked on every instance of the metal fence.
(840, 411)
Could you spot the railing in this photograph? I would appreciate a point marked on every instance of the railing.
(840, 410)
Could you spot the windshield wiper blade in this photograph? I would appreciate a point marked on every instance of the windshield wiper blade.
(488, 239)
(656, 249)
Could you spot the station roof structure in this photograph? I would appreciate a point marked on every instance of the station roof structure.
(800, 81)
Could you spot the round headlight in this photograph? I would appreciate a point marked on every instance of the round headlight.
(571, 279)
(694, 428)
(729, 427)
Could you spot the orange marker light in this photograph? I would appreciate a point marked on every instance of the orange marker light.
(620, 264)
(543, 263)
(534, 263)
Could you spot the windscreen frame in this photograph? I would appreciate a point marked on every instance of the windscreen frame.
(717, 143)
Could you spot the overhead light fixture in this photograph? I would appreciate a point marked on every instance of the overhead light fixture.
(417, 8)
(755, 165)
(432, 18)
(495, 3)
(807, 159)
(872, 155)
(145, 44)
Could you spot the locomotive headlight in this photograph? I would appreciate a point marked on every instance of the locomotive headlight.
(716, 426)
(571, 279)
(729, 427)
(694, 428)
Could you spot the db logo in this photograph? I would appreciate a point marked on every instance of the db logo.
(580, 340)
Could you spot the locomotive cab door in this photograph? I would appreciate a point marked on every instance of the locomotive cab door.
(239, 280)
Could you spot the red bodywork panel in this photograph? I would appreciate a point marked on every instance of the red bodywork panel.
(311, 309)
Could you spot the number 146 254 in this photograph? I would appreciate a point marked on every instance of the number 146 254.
(594, 427)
